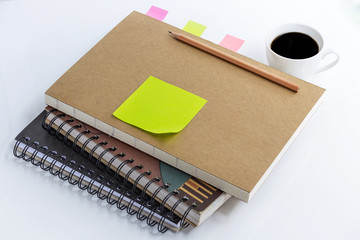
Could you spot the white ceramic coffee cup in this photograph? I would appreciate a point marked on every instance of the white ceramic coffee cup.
(302, 68)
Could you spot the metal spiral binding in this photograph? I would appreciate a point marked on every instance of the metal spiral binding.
(109, 199)
(100, 195)
(119, 204)
(41, 149)
(17, 144)
(139, 214)
(89, 189)
(66, 136)
(122, 190)
(43, 160)
(43, 123)
(108, 165)
(81, 179)
(149, 220)
(61, 172)
(53, 163)
(62, 168)
(80, 183)
(96, 191)
(82, 151)
(131, 203)
(74, 145)
(56, 170)
(117, 172)
(98, 160)
(90, 157)
(128, 193)
(126, 178)
(58, 130)
(143, 193)
(29, 158)
(70, 179)
(139, 178)
(163, 202)
(183, 222)
(50, 130)
(161, 228)
(172, 211)
(166, 185)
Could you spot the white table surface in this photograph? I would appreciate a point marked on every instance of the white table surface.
(314, 191)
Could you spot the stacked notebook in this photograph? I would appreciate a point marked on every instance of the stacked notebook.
(171, 180)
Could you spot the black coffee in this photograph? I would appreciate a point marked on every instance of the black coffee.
(295, 45)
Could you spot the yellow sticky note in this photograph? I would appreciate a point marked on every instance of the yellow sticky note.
(159, 107)
(194, 28)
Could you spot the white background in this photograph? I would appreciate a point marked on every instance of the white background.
(313, 193)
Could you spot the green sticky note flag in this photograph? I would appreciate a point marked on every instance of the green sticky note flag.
(194, 28)
(159, 107)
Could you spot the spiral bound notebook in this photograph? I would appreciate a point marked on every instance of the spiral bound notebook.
(34, 144)
(236, 139)
(144, 171)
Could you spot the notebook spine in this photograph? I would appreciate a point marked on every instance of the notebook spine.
(57, 165)
(90, 156)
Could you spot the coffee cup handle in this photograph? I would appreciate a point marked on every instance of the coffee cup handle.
(328, 52)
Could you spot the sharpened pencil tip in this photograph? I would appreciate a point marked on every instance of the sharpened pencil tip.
(170, 32)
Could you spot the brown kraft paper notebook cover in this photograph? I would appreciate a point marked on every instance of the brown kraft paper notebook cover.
(236, 139)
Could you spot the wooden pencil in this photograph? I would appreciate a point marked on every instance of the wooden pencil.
(252, 68)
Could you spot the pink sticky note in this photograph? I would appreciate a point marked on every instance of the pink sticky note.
(232, 43)
(157, 13)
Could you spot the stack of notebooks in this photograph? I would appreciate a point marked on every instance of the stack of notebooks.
(168, 180)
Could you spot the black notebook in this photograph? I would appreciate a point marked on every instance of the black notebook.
(35, 145)
(185, 195)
